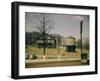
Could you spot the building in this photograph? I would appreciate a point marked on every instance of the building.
(50, 42)
(70, 44)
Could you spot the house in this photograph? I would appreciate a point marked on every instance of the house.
(50, 42)
(70, 44)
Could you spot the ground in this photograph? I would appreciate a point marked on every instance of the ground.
(53, 58)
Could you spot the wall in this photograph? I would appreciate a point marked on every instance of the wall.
(5, 40)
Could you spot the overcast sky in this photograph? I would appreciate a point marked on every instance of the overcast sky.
(64, 24)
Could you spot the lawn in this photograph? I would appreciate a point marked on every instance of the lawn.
(53, 52)
(52, 58)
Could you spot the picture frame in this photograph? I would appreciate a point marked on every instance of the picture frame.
(21, 16)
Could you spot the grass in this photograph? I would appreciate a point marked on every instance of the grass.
(52, 59)
(53, 52)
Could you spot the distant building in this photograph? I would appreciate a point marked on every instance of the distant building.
(70, 44)
(50, 42)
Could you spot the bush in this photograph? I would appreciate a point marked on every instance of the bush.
(30, 56)
(84, 56)
(34, 56)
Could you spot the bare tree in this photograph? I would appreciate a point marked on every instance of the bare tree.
(85, 43)
(44, 27)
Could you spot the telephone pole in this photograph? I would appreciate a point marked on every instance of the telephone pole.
(81, 30)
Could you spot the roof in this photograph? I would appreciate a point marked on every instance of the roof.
(71, 37)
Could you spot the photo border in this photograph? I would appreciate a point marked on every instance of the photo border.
(15, 39)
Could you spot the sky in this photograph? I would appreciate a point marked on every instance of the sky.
(64, 24)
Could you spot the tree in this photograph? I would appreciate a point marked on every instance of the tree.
(85, 43)
(31, 38)
(78, 42)
(44, 27)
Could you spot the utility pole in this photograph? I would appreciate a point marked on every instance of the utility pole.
(83, 54)
(81, 30)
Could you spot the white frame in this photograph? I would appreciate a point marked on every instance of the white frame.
(51, 70)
